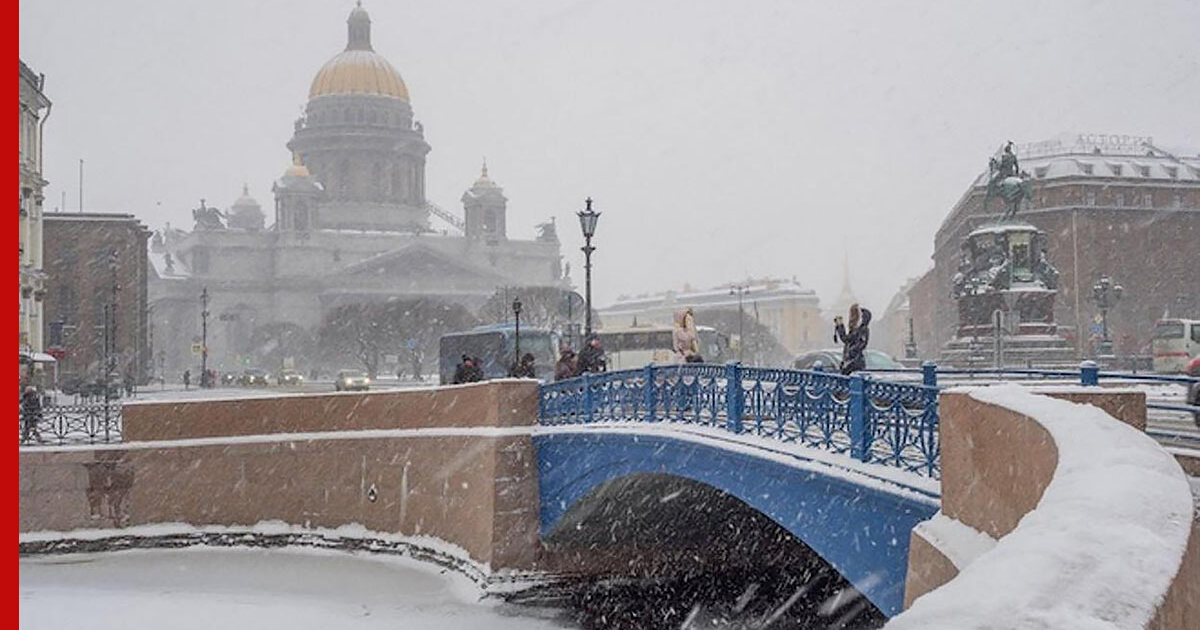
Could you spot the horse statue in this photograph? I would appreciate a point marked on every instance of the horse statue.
(1007, 181)
(208, 218)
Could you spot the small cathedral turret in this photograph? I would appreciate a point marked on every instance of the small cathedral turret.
(246, 213)
(485, 209)
(296, 197)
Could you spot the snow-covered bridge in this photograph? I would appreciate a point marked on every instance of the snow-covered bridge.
(499, 475)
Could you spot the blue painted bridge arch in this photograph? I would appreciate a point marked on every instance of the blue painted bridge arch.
(858, 523)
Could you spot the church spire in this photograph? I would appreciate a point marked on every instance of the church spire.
(359, 29)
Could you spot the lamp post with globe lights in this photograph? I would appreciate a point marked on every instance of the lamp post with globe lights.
(1106, 294)
(516, 307)
(587, 222)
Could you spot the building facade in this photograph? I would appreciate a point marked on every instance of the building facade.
(350, 223)
(97, 318)
(890, 332)
(34, 109)
(1110, 205)
(791, 312)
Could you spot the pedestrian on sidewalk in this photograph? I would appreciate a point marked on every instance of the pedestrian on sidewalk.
(31, 415)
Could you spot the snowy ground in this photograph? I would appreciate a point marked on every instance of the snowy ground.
(204, 588)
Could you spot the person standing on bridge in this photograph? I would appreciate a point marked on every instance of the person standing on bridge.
(525, 367)
(684, 338)
(854, 338)
(565, 367)
(591, 358)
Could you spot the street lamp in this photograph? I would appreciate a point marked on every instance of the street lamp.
(740, 290)
(110, 339)
(1106, 294)
(587, 222)
(203, 338)
(516, 307)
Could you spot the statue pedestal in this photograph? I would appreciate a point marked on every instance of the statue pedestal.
(1005, 289)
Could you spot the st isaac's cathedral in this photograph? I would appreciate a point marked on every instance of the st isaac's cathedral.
(351, 224)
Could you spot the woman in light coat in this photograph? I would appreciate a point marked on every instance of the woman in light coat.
(685, 339)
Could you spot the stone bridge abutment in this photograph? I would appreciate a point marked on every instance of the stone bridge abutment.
(456, 464)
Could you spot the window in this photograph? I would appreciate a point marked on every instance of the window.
(1086, 168)
(1172, 172)
(1090, 197)
(1196, 333)
(1119, 200)
(489, 221)
(1148, 200)
(54, 334)
(1169, 330)
(65, 303)
(1177, 200)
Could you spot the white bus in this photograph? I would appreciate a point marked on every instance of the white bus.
(627, 348)
(1176, 341)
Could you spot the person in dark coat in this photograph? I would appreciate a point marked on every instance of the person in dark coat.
(462, 370)
(475, 374)
(566, 366)
(187, 378)
(854, 339)
(591, 358)
(524, 368)
(31, 415)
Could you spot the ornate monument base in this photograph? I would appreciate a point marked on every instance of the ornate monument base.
(1005, 288)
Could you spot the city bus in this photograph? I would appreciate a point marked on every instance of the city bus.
(1176, 341)
(495, 347)
(627, 348)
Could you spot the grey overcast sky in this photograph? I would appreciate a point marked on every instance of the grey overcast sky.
(719, 139)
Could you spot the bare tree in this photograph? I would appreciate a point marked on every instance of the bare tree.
(411, 328)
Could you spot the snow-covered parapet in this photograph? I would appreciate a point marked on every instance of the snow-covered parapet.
(1100, 549)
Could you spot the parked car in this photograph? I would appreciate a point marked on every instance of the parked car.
(831, 360)
(350, 380)
(229, 378)
(71, 384)
(252, 377)
(290, 377)
(95, 388)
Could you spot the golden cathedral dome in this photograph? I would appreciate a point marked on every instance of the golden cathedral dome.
(358, 69)
(358, 72)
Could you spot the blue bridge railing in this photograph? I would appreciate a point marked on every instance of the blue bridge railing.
(871, 420)
(867, 416)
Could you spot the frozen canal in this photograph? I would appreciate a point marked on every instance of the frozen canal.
(205, 588)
